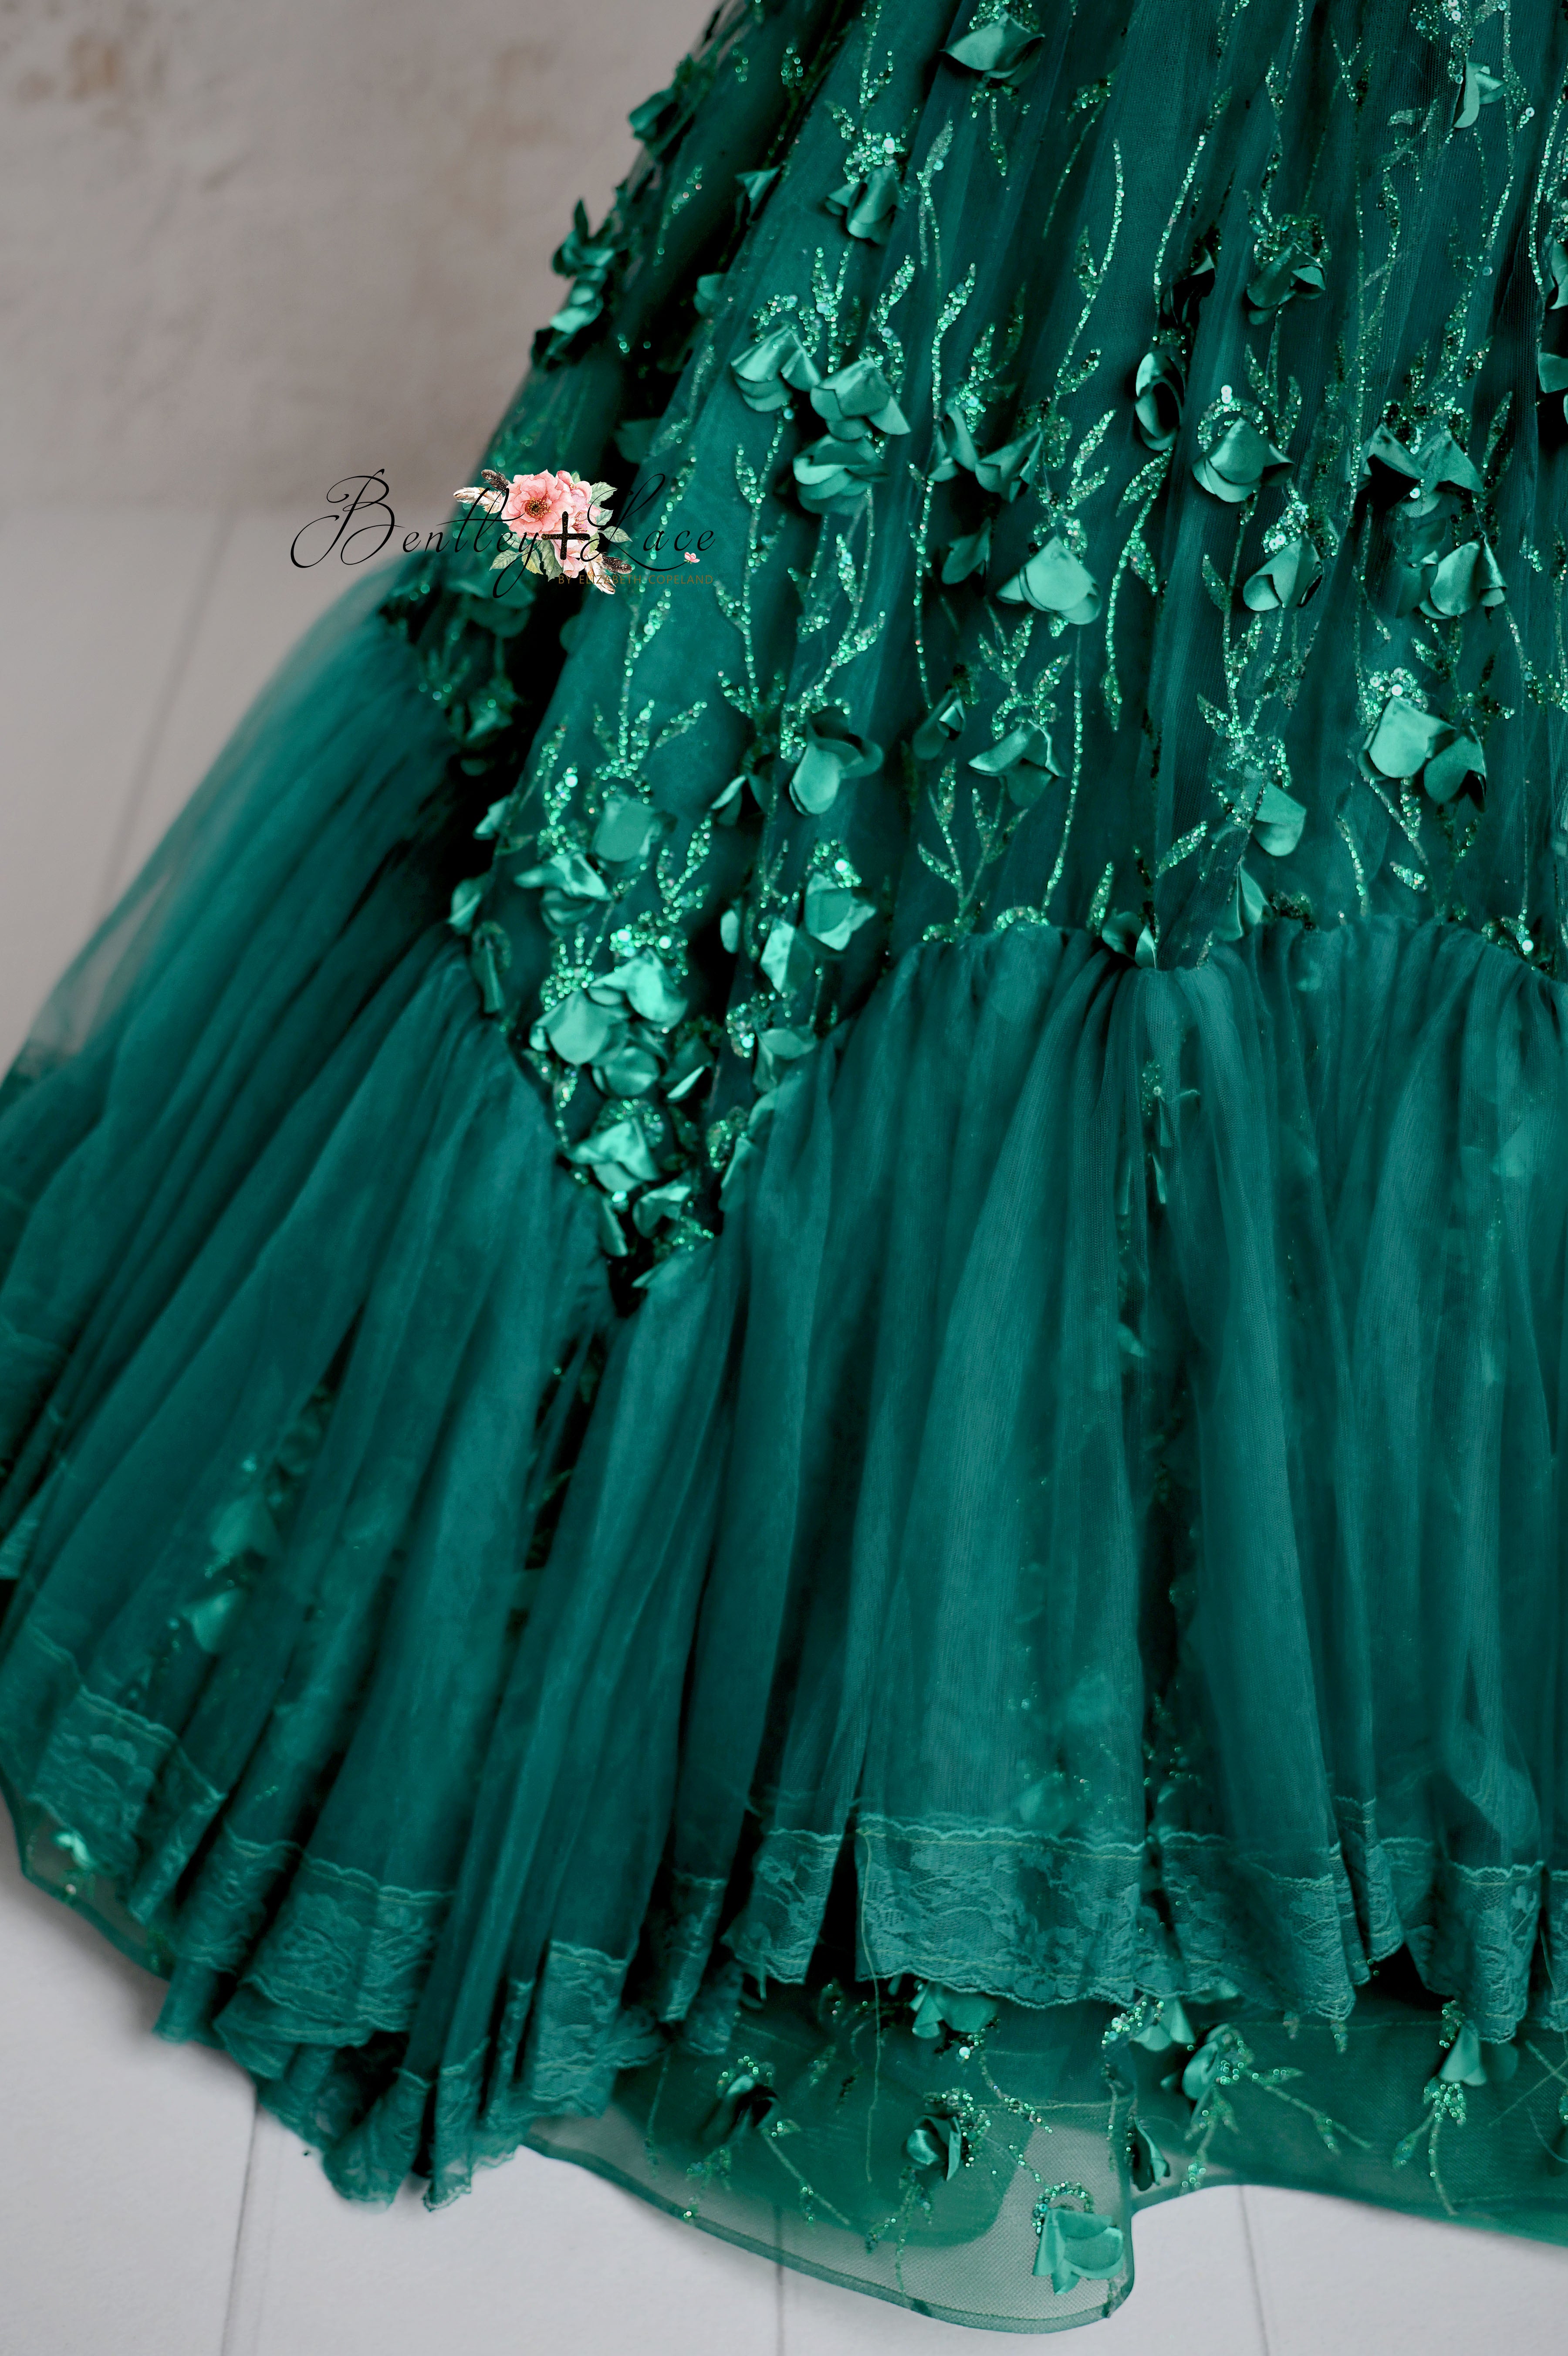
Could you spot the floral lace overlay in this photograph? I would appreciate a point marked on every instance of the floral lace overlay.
(1234, 597)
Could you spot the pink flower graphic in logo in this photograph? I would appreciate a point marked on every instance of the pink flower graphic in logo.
(557, 525)
(535, 503)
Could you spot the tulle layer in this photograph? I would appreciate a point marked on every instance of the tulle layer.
(1088, 1528)
(927, 2175)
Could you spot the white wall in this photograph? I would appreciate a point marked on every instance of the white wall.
(246, 246)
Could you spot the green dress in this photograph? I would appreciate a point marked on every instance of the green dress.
(782, 1358)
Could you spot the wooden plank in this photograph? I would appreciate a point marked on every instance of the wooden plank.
(540, 2255)
(123, 2163)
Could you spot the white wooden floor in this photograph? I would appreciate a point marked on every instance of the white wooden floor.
(146, 2208)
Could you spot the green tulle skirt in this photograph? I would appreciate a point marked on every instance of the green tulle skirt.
(888, 1565)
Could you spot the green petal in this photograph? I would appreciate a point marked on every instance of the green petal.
(1481, 89)
(1026, 743)
(954, 445)
(833, 913)
(1454, 764)
(1386, 447)
(754, 185)
(1238, 463)
(628, 1070)
(1054, 581)
(1453, 589)
(943, 724)
(832, 752)
(764, 371)
(1074, 2248)
(1442, 461)
(583, 304)
(1402, 739)
(617, 1154)
(645, 120)
(577, 1029)
(859, 392)
(567, 872)
(1010, 468)
(1278, 824)
(1461, 2066)
(870, 205)
(969, 555)
(467, 898)
(1271, 284)
(211, 1621)
(1000, 50)
(1159, 389)
(833, 478)
(1287, 578)
(786, 959)
(623, 829)
(650, 990)
(1025, 759)
(690, 1067)
(815, 785)
(1557, 271)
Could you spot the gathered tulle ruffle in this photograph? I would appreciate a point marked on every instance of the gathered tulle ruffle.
(1086, 1340)
(1092, 1344)
(1085, 1532)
